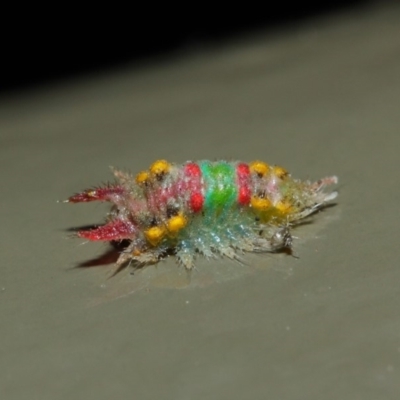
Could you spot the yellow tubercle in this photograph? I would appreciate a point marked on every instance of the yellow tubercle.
(270, 213)
(160, 167)
(259, 167)
(155, 234)
(176, 223)
(142, 178)
(280, 172)
(260, 204)
(91, 193)
(284, 207)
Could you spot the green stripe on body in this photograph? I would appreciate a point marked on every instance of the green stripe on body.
(220, 185)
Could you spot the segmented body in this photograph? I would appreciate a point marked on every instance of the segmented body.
(216, 208)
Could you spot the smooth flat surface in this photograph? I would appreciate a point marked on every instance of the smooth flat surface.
(322, 99)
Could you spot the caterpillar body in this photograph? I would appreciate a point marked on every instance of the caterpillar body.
(209, 208)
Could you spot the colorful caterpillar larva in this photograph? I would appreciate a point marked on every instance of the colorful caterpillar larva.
(210, 208)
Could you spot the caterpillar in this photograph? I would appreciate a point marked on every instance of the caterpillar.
(209, 208)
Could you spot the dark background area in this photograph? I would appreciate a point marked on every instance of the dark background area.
(51, 45)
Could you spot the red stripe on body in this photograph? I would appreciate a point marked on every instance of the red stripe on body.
(244, 192)
(193, 175)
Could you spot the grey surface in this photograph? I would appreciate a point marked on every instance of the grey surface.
(322, 99)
